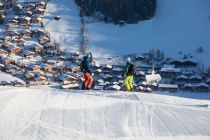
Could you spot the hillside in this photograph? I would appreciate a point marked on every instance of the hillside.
(171, 30)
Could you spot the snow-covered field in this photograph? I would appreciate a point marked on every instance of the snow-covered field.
(47, 114)
(178, 26)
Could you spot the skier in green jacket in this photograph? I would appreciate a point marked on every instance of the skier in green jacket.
(130, 71)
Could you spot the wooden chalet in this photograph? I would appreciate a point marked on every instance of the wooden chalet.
(201, 87)
(182, 78)
(28, 14)
(3, 52)
(17, 7)
(41, 5)
(18, 83)
(13, 34)
(208, 81)
(14, 50)
(33, 67)
(67, 79)
(47, 68)
(13, 22)
(2, 67)
(43, 40)
(37, 48)
(29, 75)
(7, 60)
(29, 54)
(30, 7)
(2, 18)
(6, 83)
(184, 63)
(195, 79)
(26, 20)
(188, 87)
(1, 6)
(11, 68)
(36, 20)
(39, 12)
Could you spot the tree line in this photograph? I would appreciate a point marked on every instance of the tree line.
(117, 11)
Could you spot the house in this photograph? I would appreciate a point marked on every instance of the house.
(170, 71)
(70, 86)
(39, 11)
(140, 58)
(7, 45)
(208, 81)
(107, 68)
(188, 87)
(26, 33)
(37, 20)
(13, 22)
(41, 5)
(7, 60)
(20, 64)
(14, 50)
(43, 40)
(66, 79)
(28, 14)
(2, 67)
(29, 54)
(201, 87)
(30, 7)
(49, 46)
(3, 52)
(46, 67)
(40, 80)
(2, 18)
(113, 87)
(33, 67)
(38, 33)
(1, 6)
(117, 70)
(168, 87)
(184, 63)
(11, 68)
(195, 79)
(73, 67)
(26, 20)
(13, 34)
(18, 83)
(182, 78)
(29, 75)
(37, 48)
(5, 83)
(17, 7)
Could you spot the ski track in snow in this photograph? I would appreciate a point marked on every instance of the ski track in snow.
(30, 114)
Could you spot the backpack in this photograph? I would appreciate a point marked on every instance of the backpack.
(82, 68)
(132, 69)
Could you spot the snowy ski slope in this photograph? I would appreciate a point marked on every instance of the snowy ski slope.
(47, 114)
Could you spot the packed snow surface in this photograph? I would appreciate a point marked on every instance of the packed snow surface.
(46, 114)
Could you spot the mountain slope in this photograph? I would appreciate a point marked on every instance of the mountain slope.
(178, 26)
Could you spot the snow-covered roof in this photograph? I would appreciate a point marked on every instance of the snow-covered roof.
(182, 77)
(169, 86)
(202, 85)
(195, 77)
(170, 69)
(168, 66)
